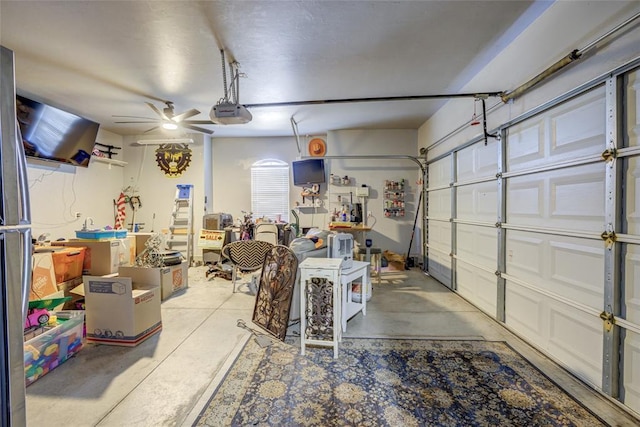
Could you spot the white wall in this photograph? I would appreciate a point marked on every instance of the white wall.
(233, 157)
(232, 160)
(388, 233)
(157, 190)
(57, 192)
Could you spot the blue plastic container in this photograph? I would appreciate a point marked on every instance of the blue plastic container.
(95, 234)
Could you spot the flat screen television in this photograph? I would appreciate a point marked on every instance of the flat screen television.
(49, 133)
(309, 171)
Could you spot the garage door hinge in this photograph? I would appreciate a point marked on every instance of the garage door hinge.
(609, 320)
(609, 154)
(609, 238)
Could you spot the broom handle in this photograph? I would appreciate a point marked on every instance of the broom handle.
(413, 231)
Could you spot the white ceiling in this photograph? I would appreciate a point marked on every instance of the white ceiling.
(106, 58)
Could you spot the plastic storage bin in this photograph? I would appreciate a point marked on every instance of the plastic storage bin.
(48, 350)
(95, 234)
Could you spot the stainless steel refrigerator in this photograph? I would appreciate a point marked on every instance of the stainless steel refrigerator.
(15, 249)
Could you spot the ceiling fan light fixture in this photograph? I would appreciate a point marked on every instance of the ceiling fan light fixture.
(169, 126)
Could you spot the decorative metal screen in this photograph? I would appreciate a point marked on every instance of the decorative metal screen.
(275, 292)
(318, 292)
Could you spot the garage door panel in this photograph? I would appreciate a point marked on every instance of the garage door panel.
(440, 172)
(524, 313)
(477, 161)
(570, 199)
(633, 110)
(525, 255)
(632, 284)
(570, 267)
(478, 202)
(579, 270)
(632, 180)
(525, 199)
(439, 265)
(440, 235)
(477, 286)
(477, 245)
(581, 196)
(578, 128)
(570, 130)
(631, 371)
(440, 203)
(569, 335)
(575, 338)
(526, 144)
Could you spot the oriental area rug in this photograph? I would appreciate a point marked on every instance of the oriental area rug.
(390, 382)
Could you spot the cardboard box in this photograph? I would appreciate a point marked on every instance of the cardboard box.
(170, 279)
(101, 257)
(68, 263)
(119, 311)
(45, 352)
(141, 239)
(43, 278)
(66, 288)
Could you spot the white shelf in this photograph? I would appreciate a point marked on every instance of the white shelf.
(306, 207)
(108, 161)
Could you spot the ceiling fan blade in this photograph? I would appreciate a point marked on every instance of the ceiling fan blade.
(196, 128)
(180, 117)
(158, 112)
(198, 122)
(134, 117)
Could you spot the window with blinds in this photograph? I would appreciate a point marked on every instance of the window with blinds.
(270, 189)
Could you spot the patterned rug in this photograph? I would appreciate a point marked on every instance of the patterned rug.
(384, 382)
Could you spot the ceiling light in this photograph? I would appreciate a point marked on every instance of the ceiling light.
(169, 126)
(165, 141)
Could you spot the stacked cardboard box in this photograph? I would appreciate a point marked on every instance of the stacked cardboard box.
(120, 311)
(43, 277)
(103, 257)
(170, 279)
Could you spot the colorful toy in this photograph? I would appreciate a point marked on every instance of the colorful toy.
(38, 311)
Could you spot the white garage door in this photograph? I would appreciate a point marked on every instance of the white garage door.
(545, 231)
(554, 287)
(554, 280)
(438, 221)
(475, 231)
(630, 310)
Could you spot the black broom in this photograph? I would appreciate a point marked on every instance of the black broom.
(413, 232)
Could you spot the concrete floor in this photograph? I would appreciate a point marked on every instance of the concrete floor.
(166, 380)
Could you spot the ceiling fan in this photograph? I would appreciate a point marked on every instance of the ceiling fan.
(167, 119)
